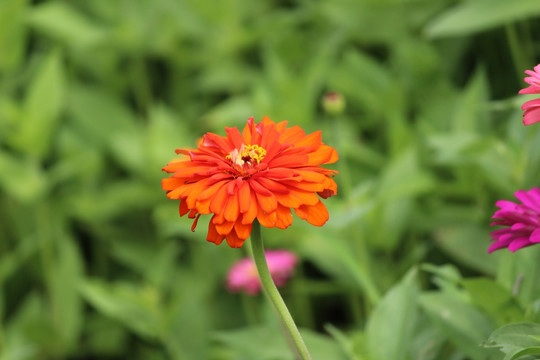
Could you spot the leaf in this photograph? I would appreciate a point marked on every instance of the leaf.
(268, 343)
(66, 274)
(21, 178)
(465, 19)
(135, 307)
(516, 339)
(468, 244)
(464, 325)
(517, 271)
(12, 33)
(389, 330)
(42, 108)
(99, 115)
(495, 299)
(63, 22)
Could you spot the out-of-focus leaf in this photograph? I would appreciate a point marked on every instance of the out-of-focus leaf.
(469, 114)
(337, 258)
(30, 331)
(139, 255)
(99, 204)
(42, 108)
(65, 276)
(63, 22)
(463, 19)
(517, 271)
(495, 299)
(516, 339)
(138, 308)
(11, 262)
(12, 33)
(413, 180)
(389, 330)
(99, 115)
(464, 325)
(266, 343)
(22, 178)
(468, 245)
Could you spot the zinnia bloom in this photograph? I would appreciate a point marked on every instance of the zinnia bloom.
(243, 275)
(260, 173)
(522, 221)
(532, 107)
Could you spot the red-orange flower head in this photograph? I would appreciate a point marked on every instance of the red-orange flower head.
(261, 173)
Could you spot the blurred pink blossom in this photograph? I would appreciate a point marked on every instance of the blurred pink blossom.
(522, 221)
(532, 107)
(243, 275)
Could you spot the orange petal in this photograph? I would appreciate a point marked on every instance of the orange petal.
(244, 197)
(324, 155)
(231, 210)
(312, 140)
(304, 185)
(213, 235)
(267, 219)
(225, 227)
(233, 240)
(219, 200)
(234, 137)
(298, 197)
(251, 214)
(171, 183)
(203, 207)
(271, 185)
(284, 217)
(183, 208)
(315, 215)
(266, 203)
(211, 190)
(177, 164)
(242, 230)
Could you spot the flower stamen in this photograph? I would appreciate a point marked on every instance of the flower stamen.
(248, 154)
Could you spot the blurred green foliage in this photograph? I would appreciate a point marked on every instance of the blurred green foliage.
(95, 96)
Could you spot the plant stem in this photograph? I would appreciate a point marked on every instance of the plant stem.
(273, 294)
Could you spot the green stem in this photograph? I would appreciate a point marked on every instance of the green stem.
(273, 294)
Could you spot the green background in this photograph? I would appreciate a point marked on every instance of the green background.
(95, 96)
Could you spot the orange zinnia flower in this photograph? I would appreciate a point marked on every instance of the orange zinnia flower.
(261, 173)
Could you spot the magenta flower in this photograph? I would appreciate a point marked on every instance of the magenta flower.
(243, 275)
(522, 221)
(532, 107)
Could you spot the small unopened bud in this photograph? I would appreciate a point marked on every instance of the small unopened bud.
(333, 103)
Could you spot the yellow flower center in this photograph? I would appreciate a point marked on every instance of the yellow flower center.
(248, 154)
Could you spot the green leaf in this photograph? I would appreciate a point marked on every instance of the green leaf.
(100, 115)
(517, 271)
(495, 299)
(533, 350)
(470, 17)
(268, 343)
(63, 22)
(22, 178)
(516, 339)
(12, 33)
(42, 108)
(464, 325)
(468, 244)
(138, 308)
(65, 277)
(389, 330)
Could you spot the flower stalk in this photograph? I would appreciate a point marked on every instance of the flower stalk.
(273, 295)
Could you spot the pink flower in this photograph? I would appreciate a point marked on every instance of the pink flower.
(243, 275)
(522, 221)
(532, 107)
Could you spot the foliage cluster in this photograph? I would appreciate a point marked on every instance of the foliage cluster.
(96, 95)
